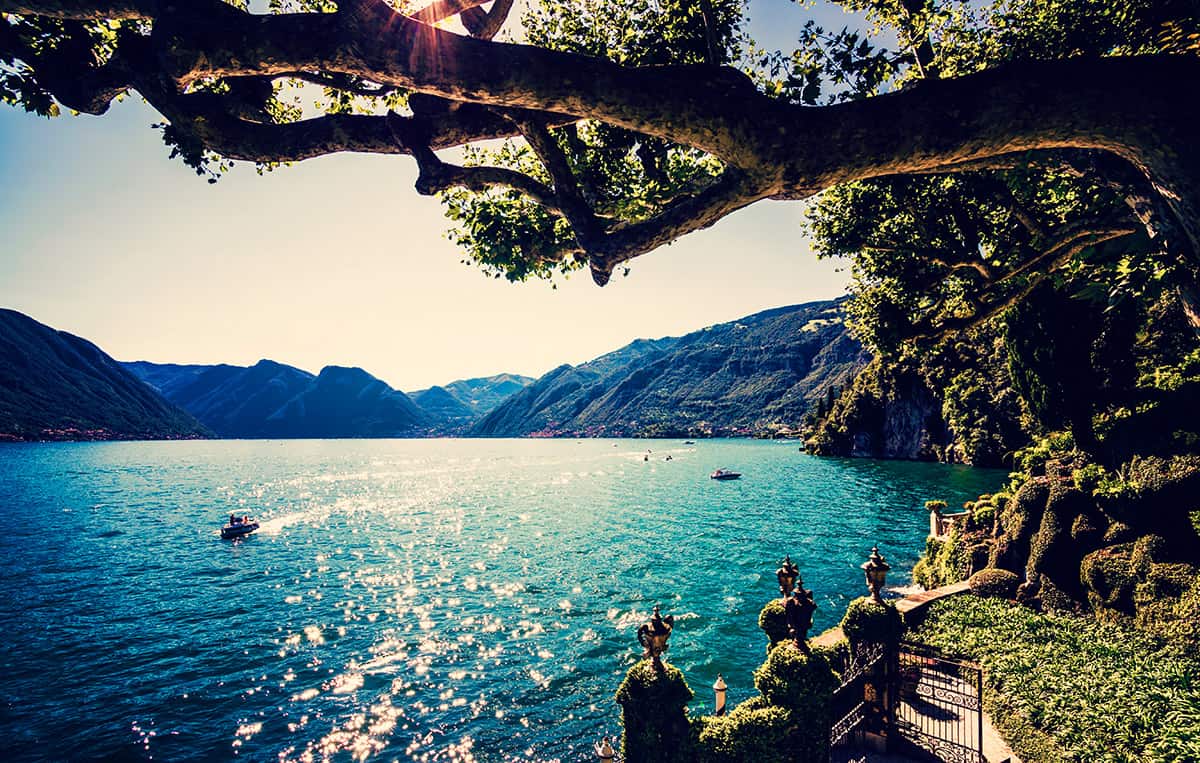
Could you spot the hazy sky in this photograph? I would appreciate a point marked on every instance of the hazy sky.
(337, 260)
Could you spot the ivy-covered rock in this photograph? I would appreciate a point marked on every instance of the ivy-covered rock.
(994, 583)
(653, 712)
(867, 622)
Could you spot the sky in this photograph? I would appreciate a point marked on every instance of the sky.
(337, 260)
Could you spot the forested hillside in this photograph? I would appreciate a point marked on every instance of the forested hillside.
(56, 386)
(758, 375)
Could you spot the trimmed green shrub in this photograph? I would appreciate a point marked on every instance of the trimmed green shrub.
(994, 583)
(773, 621)
(866, 622)
(754, 730)
(795, 680)
(935, 505)
(653, 713)
(803, 685)
(1109, 576)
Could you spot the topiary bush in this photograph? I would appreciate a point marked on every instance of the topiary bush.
(653, 712)
(995, 583)
(867, 622)
(794, 679)
(1109, 576)
(754, 730)
(773, 621)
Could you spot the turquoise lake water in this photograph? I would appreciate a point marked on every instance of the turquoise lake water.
(408, 599)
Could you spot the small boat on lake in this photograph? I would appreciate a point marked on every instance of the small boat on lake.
(725, 474)
(689, 442)
(238, 527)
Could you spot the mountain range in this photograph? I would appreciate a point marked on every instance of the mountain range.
(758, 374)
(57, 386)
(270, 399)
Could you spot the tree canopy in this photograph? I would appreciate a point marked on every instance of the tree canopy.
(1017, 136)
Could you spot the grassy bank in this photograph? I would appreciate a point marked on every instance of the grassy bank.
(1062, 687)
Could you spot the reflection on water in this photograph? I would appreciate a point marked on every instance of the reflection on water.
(425, 600)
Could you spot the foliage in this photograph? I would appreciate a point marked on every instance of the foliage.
(866, 622)
(753, 730)
(789, 721)
(1063, 687)
(992, 582)
(796, 680)
(952, 401)
(944, 561)
(653, 714)
(773, 621)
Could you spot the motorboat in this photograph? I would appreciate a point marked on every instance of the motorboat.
(689, 442)
(238, 527)
(725, 474)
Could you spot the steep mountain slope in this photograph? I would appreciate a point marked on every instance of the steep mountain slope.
(271, 399)
(54, 385)
(347, 402)
(747, 376)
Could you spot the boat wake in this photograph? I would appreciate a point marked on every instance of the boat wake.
(276, 525)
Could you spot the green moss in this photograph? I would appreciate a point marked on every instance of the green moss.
(868, 622)
(995, 583)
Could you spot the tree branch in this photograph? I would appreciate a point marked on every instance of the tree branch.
(1074, 242)
(731, 191)
(484, 25)
(570, 199)
(436, 175)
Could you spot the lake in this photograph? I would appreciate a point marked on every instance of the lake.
(408, 599)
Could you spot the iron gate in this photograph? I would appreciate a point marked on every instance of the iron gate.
(938, 705)
(853, 704)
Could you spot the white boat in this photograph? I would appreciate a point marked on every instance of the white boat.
(725, 474)
(238, 527)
